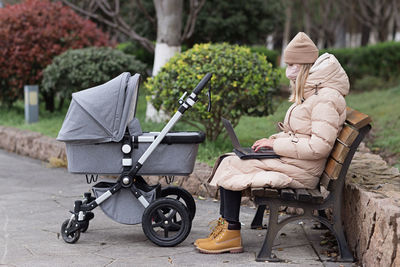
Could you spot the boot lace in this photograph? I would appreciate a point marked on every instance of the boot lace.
(216, 226)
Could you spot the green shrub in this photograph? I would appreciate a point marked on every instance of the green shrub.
(380, 61)
(78, 69)
(242, 84)
(368, 83)
(272, 55)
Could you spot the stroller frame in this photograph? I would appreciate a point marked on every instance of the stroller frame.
(129, 179)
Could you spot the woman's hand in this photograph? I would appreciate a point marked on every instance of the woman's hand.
(264, 142)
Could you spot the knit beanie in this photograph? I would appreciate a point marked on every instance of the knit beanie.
(300, 50)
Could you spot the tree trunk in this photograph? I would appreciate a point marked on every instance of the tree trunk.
(286, 31)
(307, 19)
(321, 39)
(163, 52)
(270, 41)
(340, 36)
(49, 101)
(169, 31)
(383, 34)
(365, 33)
(61, 103)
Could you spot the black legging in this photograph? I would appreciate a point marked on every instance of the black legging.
(230, 204)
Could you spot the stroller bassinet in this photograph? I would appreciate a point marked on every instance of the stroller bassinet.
(97, 121)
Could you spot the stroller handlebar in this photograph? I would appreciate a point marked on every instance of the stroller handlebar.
(202, 83)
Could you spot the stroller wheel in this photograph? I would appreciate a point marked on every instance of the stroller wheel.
(166, 222)
(89, 216)
(85, 227)
(181, 194)
(72, 237)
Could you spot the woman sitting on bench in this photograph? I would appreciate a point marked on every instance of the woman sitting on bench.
(307, 136)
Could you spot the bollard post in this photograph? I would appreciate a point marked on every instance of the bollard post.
(31, 103)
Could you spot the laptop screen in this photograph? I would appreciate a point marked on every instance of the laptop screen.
(231, 133)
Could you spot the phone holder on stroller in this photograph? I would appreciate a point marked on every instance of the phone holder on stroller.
(98, 143)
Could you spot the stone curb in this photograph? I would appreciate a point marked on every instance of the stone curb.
(372, 224)
(31, 144)
(371, 210)
(371, 219)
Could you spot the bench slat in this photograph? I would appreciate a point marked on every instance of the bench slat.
(316, 195)
(332, 168)
(287, 194)
(303, 195)
(339, 152)
(326, 181)
(347, 135)
(265, 192)
(356, 118)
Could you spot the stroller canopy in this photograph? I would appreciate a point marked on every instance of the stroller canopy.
(100, 114)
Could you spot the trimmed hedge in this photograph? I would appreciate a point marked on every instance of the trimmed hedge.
(242, 84)
(381, 61)
(272, 55)
(79, 69)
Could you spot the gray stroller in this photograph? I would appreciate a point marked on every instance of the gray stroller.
(103, 136)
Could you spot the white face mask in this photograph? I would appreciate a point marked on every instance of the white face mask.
(292, 71)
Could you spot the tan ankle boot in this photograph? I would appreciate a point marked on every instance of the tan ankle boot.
(215, 230)
(226, 241)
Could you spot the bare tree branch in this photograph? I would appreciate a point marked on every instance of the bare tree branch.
(92, 6)
(326, 23)
(195, 7)
(114, 20)
(146, 14)
(117, 6)
(106, 8)
(109, 14)
(390, 10)
(350, 5)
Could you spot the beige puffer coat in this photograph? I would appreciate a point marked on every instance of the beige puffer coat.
(308, 135)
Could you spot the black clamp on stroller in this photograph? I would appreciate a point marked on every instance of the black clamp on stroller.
(103, 136)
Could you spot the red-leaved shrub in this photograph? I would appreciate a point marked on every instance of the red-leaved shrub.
(31, 34)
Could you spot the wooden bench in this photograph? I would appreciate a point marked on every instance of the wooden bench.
(357, 125)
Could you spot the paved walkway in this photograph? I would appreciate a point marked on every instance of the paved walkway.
(35, 199)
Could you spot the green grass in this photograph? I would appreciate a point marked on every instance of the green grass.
(382, 106)
(49, 123)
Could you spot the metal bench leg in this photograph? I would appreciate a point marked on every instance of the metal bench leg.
(337, 230)
(345, 253)
(257, 222)
(273, 228)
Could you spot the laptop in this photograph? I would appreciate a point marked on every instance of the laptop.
(246, 152)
